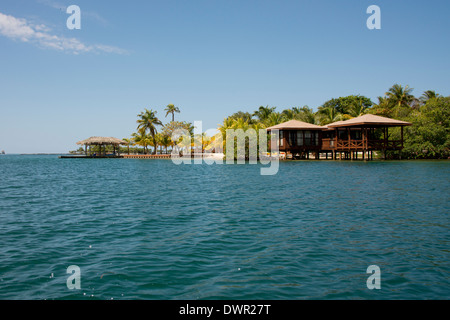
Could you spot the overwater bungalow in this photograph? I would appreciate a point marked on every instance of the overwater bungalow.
(364, 134)
(343, 139)
(298, 139)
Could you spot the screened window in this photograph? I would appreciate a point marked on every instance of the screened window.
(299, 138)
(308, 138)
(356, 135)
(292, 138)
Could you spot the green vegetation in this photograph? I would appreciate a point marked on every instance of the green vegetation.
(429, 135)
(148, 121)
(171, 109)
(427, 138)
(152, 133)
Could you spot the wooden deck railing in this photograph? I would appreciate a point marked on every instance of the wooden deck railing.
(350, 144)
(345, 144)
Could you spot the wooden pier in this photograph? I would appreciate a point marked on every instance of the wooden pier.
(124, 156)
(146, 156)
(90, 157)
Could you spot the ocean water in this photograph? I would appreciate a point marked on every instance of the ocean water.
(149, 229)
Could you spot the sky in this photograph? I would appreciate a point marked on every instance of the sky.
(210, 58)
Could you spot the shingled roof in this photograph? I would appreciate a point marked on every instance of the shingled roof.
(295, 125)
(368, 119)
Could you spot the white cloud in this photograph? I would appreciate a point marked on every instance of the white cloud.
(86, 14)
(53, 4)
(21, 30)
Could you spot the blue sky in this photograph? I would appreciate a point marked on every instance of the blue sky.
(210, 58)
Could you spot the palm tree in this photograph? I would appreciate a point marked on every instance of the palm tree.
(149, 121)
(171, 109)
(142, 139)
(165, 141)
(329, 115)
(400, 97)
(259, 126)
(190, 127)
(306, 114)
(357, 108)
(274, 118)
(240, 124)
(129, 141)
(291, 114)
(382, 108)
(206, 140)
(427, 95)
(227, 124)
(201, 140)
(263, 113)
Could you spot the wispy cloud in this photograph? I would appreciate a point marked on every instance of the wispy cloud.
(86, 14)
(53, 4)
(21, 30)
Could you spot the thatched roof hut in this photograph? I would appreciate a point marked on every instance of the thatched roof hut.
(102, 141)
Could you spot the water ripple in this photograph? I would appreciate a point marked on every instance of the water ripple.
(153, 230)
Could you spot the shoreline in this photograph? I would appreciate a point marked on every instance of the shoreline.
(205, 156)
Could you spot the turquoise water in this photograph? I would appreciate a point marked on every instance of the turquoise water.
(149, 229)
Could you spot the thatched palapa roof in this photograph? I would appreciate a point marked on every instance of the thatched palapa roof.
(101, 140)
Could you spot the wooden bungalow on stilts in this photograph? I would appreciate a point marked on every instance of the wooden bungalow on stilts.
(361, 135)
(339, 140)
(298, 139)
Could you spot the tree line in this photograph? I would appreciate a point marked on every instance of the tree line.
(428, 137)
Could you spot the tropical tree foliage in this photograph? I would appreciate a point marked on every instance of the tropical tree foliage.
(141, 138)
(428, 137)
(148, 121)
(171, 109)
(400, 99)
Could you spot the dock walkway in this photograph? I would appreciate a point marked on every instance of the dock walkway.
(146, 156)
